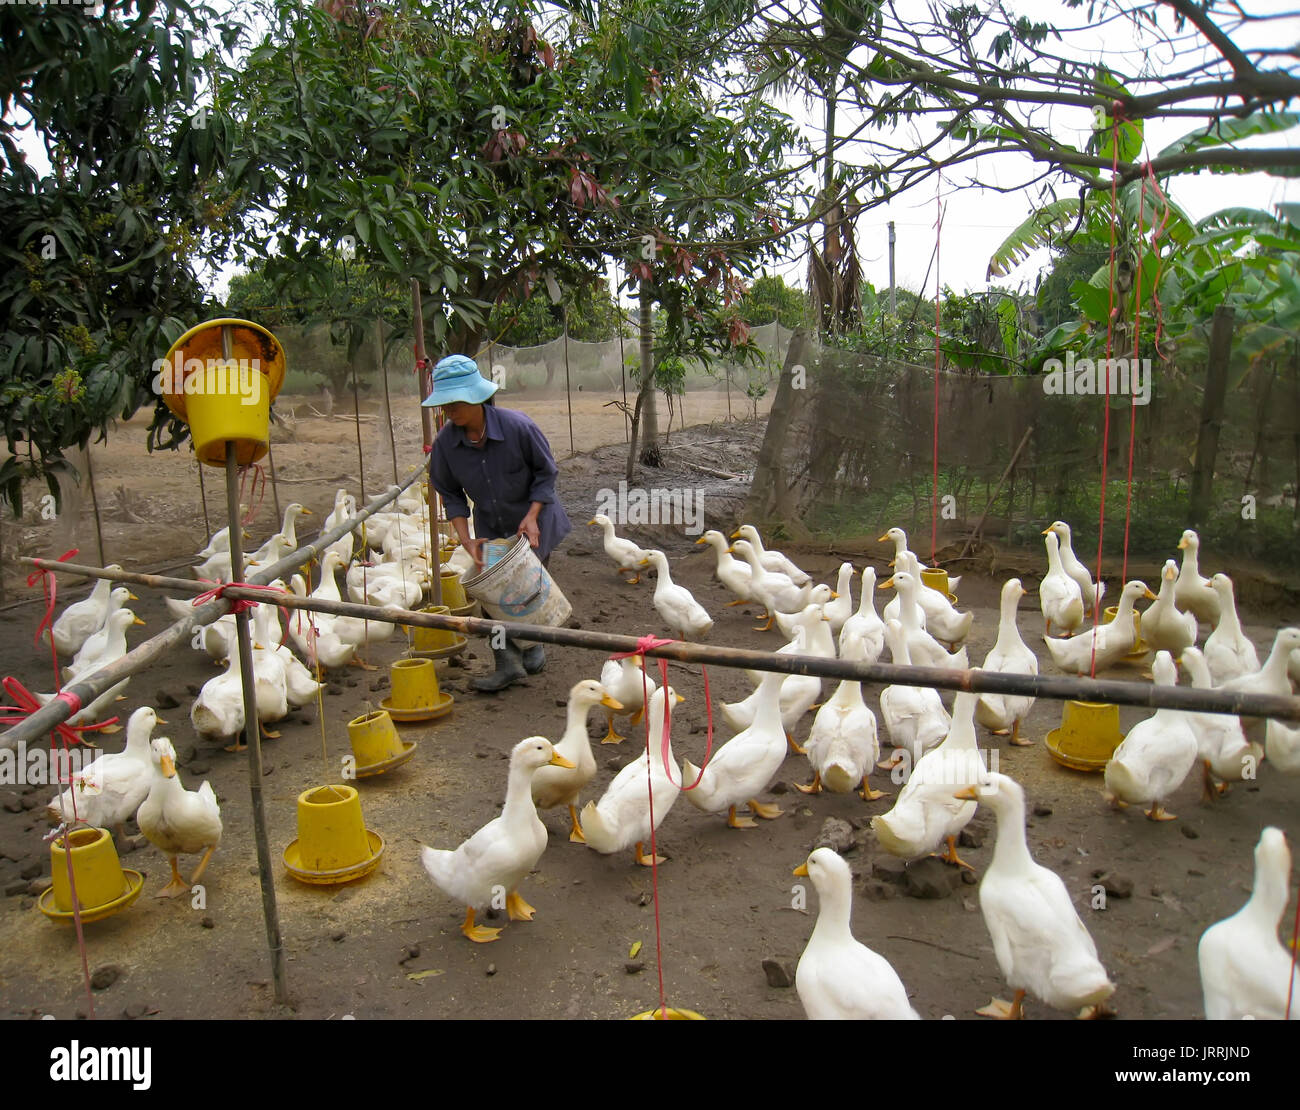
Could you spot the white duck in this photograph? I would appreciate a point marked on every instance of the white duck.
(745, 765)
(1271, 678)
(1112, 641)
(925, 650)
(216, 568)
(1164, 628)
(934, 612)
(926, 814)
(838, 978)
(220, 541)
(1221, 744)
(1059, 595)
(1041, 945)
(218, 711)
(271, 552)
(730, 571)
(865, 628)
(628, 557)
(299, 685)
(503, 851)
(1246, 973)
(1193, 593)
(176, 821)
(1091, 592)
(110, 789)
(1002, 713)
(628, 684)
(1154, 758)
(323, 647)
(1282, 746)
(556, 786)
(114, 649)
(621, 819)
(843, 745)
(82, 619)
(840, 607)
(776, 592)
(685, 617)
(770, 559)
(820, 596)
(899, 539)
(345, 506)
(1229, 652)
(914, 715)
(217, 638)
(97, 642)
(799, 692)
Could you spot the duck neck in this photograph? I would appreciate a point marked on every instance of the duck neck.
(1269, 895)
(1191, 564)
(848, 695)
(867, 603)
(1124, 611)
(1012, 849)
(1229, 622)
(575, 722)
(1008, 633)
(519, 793)
(833, 915)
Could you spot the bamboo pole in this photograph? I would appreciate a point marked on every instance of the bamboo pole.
(142, 655)
(275, 488)
(974, 680)
(427, 426)
(94, 504)
(203, 498)
(252, 726)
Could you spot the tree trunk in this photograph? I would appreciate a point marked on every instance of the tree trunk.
(1207, 441)
(767, 492)
(649, 454)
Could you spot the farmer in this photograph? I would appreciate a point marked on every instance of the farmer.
(499, 459)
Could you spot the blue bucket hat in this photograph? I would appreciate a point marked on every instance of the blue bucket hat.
(457, 378)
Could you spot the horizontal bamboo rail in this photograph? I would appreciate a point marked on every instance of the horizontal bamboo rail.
(143, 655)
(973, 680)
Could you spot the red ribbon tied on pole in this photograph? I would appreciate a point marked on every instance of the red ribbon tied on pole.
(27, 705)
(51, 587)
(644, 644)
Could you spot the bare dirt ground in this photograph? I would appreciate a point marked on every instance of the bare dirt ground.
(725, 896)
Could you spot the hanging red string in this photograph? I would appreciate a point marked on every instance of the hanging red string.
(934, 480)
(1116, 108)
(1132, 370)
(644, 644)
(256, 489)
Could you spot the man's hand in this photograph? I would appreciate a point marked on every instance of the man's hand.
(528, 527)
(475, 547)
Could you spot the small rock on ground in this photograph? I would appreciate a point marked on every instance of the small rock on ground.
(104, 977)
(778, 972)
(836, 835)
(930, 878)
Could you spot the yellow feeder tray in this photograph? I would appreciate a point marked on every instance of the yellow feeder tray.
(376, 745)
(1140, 648)
(453, 593)
(937, 579)
(1088, 736)
(674, 1014)
(103, 886)
(219, 404)
(333, 845)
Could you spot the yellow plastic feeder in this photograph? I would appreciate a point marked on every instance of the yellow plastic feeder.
(333, 845)
(375, 744)
(453, 593)
(437, 643)
(223, 397)
(415, 693)
(1140, 648)
(103, 886)
(1088, 736)
(673, 1014)
(937, 579)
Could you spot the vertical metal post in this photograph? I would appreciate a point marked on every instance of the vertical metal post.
(568, 392)
(252, 728)
(426, 423)
(94, 504)
(893, 295)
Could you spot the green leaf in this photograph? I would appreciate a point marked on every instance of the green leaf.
(1227, 131)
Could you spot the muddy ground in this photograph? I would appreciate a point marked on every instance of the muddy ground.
(725, 897)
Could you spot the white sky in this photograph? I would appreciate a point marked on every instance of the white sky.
(976, 219)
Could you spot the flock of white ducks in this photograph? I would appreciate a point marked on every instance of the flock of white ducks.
(1041, 946)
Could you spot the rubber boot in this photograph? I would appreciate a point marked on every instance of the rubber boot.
(509, 670)
(534, 658)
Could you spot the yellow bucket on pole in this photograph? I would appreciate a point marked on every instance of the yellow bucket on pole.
(222, 396)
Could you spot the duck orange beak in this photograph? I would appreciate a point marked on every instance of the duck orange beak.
(557, 760)
(887, 584)
(1148, 595)
(610, 703)
(882, 539)
(168, 767)
(801, 870)
(967, 794)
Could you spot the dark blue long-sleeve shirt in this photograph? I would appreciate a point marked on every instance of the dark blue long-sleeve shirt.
(513, 468)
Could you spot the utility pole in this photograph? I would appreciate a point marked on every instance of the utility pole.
(893, 297)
